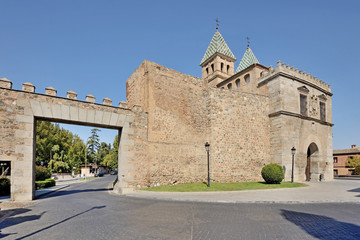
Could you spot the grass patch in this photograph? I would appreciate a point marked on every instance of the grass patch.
(235, 186)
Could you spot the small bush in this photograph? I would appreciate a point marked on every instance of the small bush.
(4, 186)
(42, 173)
(45, 184)
(272, 173)
(357, 170)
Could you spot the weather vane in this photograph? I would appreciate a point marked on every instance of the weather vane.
(248, 41)
(217, 23)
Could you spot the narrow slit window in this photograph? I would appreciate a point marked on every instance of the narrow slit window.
(212, 67)
(237, 83)
(222, 67)
(229, 86)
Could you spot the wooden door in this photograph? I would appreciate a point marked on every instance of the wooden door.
(307, 169)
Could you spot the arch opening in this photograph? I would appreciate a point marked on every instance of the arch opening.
(312, 151)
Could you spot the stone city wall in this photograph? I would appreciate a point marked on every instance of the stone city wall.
(19, 111)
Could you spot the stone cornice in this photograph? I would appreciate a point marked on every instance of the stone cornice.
(283, 74)
(275, 114)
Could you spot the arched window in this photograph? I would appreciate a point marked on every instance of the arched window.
(207, 71)
(247, 78)
(227, 68)
(237, 83)
(212, 67)
(222, 67)
(229, 86)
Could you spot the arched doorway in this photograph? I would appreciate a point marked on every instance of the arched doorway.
(311, 151)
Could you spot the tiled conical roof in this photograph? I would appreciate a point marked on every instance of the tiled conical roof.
(217, 45)
(247, 60)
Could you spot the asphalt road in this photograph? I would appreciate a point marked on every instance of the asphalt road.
(89, 211)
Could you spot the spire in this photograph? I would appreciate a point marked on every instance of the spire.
(247, 60)
(217, 45)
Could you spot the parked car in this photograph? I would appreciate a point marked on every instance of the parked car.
(100, 174)
(113, 172)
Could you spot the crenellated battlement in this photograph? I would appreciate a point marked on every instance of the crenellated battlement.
(52, 92)
(285, 68)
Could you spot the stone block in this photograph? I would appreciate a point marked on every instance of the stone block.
(25, 119)
(82, 114)
(65, 112)
(36, 108)
(50, 91)
(74, 113)
(106, 118)
(71, 95)
(5, 83)
(98, 116)
(46, 109)
(28, 87)
(56, 110)
(90, 98)
(107, 101)
(90, 117)
(114, 118)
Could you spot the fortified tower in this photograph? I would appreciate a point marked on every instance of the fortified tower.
(218, 61)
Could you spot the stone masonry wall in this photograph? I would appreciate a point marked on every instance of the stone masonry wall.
(240, 144)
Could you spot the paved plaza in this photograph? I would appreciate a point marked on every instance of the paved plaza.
(88, 210)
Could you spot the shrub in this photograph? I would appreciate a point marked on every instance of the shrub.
(4, 186)
(45, 184)
(357, 170)
(42, 173)
(272, 173)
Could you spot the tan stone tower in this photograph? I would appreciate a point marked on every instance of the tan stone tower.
(218, 61)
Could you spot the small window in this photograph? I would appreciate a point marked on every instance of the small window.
(303, 104)
(212, 67)
(229, 86)
(222, 67)
(207, 71)
(237, 83)
(336, 172)
(322, 111)
(247, 78)
(227, 68)
(351, 172)
(335, 160)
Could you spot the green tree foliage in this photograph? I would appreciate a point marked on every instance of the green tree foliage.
(353, 162)
(111, 159)
(93, 145)
(57, 148)
(42, 173)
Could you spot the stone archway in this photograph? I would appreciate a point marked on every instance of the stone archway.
(312, 152)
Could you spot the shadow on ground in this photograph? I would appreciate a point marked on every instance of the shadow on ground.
(322, 227)
(11, 220)
(68, 192)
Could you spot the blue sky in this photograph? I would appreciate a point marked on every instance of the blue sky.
(92, 47)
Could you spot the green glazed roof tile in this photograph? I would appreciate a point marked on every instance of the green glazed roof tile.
(247, 60)
(217, 45)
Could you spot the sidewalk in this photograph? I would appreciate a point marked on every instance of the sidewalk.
(317, 192)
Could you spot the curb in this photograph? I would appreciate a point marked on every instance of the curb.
(45, 191)
(238, 201)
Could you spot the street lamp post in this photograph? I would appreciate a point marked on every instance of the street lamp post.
(293, 150)
(207, 147)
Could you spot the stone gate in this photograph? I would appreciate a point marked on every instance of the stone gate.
(19, 111)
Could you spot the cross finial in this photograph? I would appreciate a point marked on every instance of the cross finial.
(248, 41)
(217, 23)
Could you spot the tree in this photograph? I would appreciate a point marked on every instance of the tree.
(104, 150)
(93, 145)
(58, 148)
(353, 162)
(111, 160)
